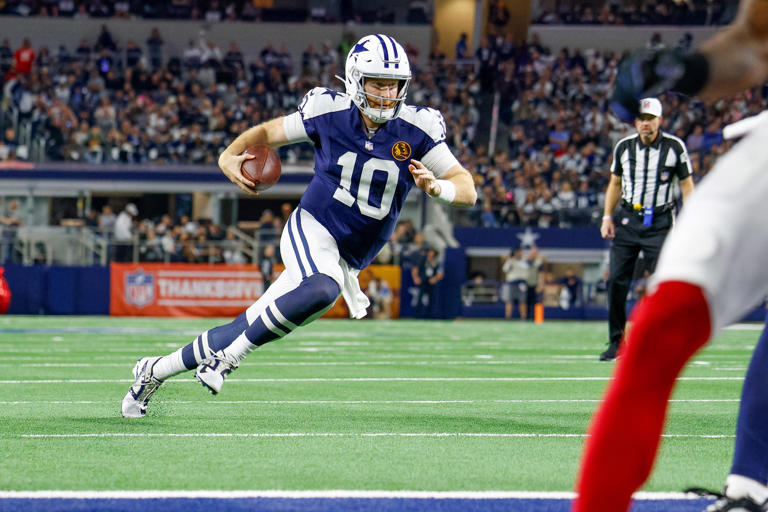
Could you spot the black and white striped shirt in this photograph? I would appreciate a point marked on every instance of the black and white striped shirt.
(651, 173)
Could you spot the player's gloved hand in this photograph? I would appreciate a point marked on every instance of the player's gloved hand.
(643, 74)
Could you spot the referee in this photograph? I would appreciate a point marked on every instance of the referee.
(648, 172)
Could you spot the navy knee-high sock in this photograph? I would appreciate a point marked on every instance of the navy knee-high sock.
(750, 458)
(212, 341)
(314, 294)
(192, 354)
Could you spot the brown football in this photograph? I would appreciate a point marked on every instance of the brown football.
(264, 170)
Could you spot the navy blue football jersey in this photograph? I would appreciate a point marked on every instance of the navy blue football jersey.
(361, 182)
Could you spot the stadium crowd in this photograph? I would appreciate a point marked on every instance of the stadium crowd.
(642, 12)
(219, 10)
(109, 101)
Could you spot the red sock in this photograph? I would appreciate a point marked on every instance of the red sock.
(668, 327)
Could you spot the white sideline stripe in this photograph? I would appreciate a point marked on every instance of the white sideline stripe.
(368, 379)
(340, 493)
(342, 434)
(746, 327)
(360, 402)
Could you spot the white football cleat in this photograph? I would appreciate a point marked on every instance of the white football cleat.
(212, 371)
(135, 402)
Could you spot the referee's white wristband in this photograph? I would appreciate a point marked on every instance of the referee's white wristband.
(607, 217)
(447, 191)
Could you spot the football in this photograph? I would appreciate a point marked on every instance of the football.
(264, 169)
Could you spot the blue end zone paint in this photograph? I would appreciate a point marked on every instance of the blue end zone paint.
(324, 505)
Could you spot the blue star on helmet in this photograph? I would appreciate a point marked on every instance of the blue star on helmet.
(359, 47)
(331, 93)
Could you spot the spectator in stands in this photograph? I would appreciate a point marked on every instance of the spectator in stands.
(380, 295)
(573, 285)
(535, 264)
(461, 47)
(498, 15)
(515, 287)
(83, 51)
(91, 219)
(6, 57)
(24, 58)
(10, 222)
(105, 41)
(426, 276)
(123, 235)
(133, 53)
(66, 8)
(233, 59)
(210, 54)
(192, 55)
(413, 253)
(267, 263)
(152, 248)
(107, 219)
(155, 45)
(488, 217)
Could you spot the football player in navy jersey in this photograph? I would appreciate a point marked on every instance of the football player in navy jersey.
(370, 150)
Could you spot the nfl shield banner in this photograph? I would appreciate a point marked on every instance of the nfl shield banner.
(157, 289)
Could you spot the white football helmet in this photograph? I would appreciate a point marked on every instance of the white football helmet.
(377, 56)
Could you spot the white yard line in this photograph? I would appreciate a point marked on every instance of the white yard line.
(481, 362)
(356, 402)
(336, 434)
(364, 379)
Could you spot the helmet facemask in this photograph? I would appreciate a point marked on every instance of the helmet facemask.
(373, 57)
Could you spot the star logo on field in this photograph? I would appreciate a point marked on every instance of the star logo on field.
(527, 238)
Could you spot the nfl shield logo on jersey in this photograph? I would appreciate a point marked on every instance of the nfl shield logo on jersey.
(139, 288)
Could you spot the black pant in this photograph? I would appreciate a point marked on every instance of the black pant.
(424, 300)
(631, 237)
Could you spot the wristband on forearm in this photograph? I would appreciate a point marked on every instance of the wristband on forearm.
(447, 191)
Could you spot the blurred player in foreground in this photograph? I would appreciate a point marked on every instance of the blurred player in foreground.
(370, 150)
(710, 273)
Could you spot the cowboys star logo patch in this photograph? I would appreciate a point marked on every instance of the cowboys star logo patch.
(401, 150)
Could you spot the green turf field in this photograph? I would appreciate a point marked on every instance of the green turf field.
(384, 405)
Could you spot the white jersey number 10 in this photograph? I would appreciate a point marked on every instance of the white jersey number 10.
(343, 194)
